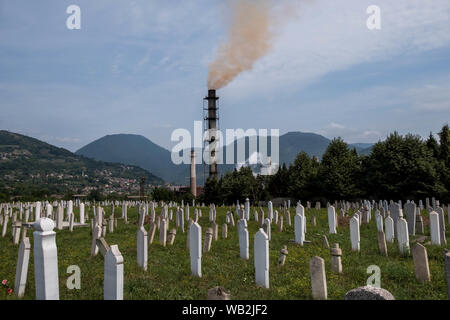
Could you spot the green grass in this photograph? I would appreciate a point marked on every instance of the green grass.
(169, 277)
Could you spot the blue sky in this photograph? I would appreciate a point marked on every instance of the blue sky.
(141, 67)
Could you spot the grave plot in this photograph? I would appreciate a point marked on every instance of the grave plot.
(323, 254)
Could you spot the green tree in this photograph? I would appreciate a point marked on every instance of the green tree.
(433, 145)
(238, 185)
(278, 183)
(444, 146)
(212, 192)
(338, 170)
(402, 168)
(301, 175)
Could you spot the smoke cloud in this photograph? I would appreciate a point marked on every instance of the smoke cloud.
(250, 37)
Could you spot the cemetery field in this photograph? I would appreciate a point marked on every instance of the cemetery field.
(168, 276)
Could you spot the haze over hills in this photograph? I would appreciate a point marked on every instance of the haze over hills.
(27, 163)
(140, 151)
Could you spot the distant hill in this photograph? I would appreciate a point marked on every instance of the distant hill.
(138, 150)
(25, 162)
(135, 150)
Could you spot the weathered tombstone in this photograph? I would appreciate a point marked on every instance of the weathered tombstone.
(318, 278)
(113, 274)
(325, 242)
(195, 249)
(5, 225)
(395, 213)
(435, 229)
(389, 227)
(17, 227)
(420, 258)
(288, 218)
(82, 219)
(403, 236)
(382, 243)
(111, 224)
(270, 211)
(280, 224)
(96, 234)
(440, 213)
(336, 263)
(379, 220)
(22, 267)
(419, 223)
(151, 234)
(244, 242)
(410, 212)
(163, 233)
(268, 228)
(283, 255)
(71, 221)
(215, 228)
(368, 293)
(247, 209)
(261, 257)
(218, 293)
(208, 240)
(190, 222)
(299, 221)
(102, 246)
(275, 217)
(224, 231)
(261, 217)
(142, 249)
(354, 234)
(45, 260)
(172, 234)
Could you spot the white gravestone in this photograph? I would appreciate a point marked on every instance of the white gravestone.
(299, 221)
(270, 210)
(403, 236)
(247, 209)
(113, 274)
(22, 267)
(379, 220)
(332, 220)
(318, 278)
(267, 223)
(195, 249)
(243, 239)
(354, 233)
(440, 212)
(142, 249)
(163, 233)
(45, 260)
(261, 255)
(434, 229)
(389, 227)
(82, 220)
(49, 210)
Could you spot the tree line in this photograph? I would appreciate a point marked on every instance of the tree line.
(400, 167)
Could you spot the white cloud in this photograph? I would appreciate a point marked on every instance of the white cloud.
(332, 35)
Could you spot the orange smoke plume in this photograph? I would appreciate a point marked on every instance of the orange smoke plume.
(249, 38)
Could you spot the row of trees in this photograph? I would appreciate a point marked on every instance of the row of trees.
(401, 167)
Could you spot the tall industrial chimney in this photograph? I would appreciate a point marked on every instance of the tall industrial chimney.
(212, 119)
(193, 175)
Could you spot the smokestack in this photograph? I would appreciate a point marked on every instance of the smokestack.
(193, 175)
(212, 119)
